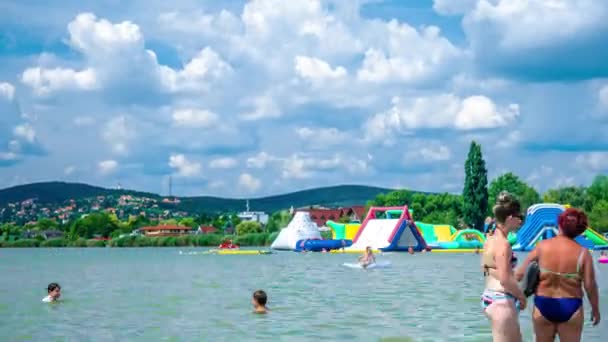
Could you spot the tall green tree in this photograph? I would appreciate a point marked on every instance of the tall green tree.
(598, 190)
(475, 191)
(248, 227)
(513, 184)
(576, 196)
(598, 217)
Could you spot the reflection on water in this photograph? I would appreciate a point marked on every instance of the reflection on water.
(184, 294)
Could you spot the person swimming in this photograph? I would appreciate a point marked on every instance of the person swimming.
(368, 258)
(565, 268)
(502, 299)
(54, 292)
(259, 300)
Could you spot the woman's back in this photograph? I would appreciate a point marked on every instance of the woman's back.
(488, 263)
(561, 264)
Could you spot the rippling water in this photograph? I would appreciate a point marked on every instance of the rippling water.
(153, 294)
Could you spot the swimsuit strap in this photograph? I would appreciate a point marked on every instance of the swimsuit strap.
(579, 262)
(569, 275)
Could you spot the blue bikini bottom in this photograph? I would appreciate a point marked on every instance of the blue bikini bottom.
(557, 310)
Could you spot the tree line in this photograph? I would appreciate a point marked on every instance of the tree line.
(470, 208)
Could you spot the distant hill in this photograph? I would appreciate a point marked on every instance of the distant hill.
(334, 196)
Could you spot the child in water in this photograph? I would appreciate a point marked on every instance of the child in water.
(259, 302)
(54, 292)
(368, 258)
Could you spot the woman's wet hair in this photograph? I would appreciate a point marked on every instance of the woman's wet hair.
(52, 287)
(506, 205)
(572, 222)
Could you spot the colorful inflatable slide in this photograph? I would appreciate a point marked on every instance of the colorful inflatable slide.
(447, 237)
(388, 229)
(343, 231)
(541, 224)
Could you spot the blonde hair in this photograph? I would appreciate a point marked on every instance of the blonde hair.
(506, 205)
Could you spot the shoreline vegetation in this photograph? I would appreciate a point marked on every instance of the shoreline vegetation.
(203, 240)
(206, 240)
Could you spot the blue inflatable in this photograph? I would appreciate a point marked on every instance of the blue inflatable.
(319, 245)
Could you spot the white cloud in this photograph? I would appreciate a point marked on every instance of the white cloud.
(594, 161)
(205, 66)
(116, 58)
(450, 7)
(223, 163)
(540, 174)
(249, 182)
(46, 81)
(69, 170)
(507, 36)
(322, 137)
(25, 131)
(409, 56)
(194, 118)
(7, 91)
(427, 152)
(8, 156)
(107, 167)
(118, 132)
(317, 70)
(515, 24)
(299, 166)
(183, 166)
(99, 38)
(217, 184)
(512, 139)
(440, 111)
(260, 160)
(264, 107)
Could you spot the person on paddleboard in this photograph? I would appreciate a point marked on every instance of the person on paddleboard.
(368, 258)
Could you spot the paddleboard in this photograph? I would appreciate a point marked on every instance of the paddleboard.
(377, 264)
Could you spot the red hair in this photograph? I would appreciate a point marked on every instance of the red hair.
(572, 222)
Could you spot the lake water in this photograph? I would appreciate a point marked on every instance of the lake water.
(160, 294)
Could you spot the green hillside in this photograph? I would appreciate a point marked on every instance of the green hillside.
(58, 192)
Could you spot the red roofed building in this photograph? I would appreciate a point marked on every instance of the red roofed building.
(165, 230)
(321, 215)
(206, 230)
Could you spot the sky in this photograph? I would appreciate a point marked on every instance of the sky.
(252, 98)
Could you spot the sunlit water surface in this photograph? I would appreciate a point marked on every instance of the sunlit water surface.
(167, 294)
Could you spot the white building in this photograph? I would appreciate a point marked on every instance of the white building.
(256, 216)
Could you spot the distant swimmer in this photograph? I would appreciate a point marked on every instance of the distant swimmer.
(259, 302)
(368, 258)
(54, 292)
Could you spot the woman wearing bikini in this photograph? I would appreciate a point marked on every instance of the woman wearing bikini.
(502, 298)
(565, 268)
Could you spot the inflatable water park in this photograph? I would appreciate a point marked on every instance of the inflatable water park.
(393, 229)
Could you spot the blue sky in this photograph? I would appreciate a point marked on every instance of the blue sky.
(247, 99)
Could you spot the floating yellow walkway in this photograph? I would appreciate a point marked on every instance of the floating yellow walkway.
(242, 252)
(352, 251)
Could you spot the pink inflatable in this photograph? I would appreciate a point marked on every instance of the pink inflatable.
(603, 260)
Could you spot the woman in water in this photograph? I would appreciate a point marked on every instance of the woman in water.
(502, 297)
(565, 268)
(368, 258)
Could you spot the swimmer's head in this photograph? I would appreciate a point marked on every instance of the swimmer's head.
(259, 298)
(368, 249)
(54, 290)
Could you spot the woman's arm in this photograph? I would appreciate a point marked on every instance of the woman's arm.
(590, 285)
(521, 270)
(503, 270)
